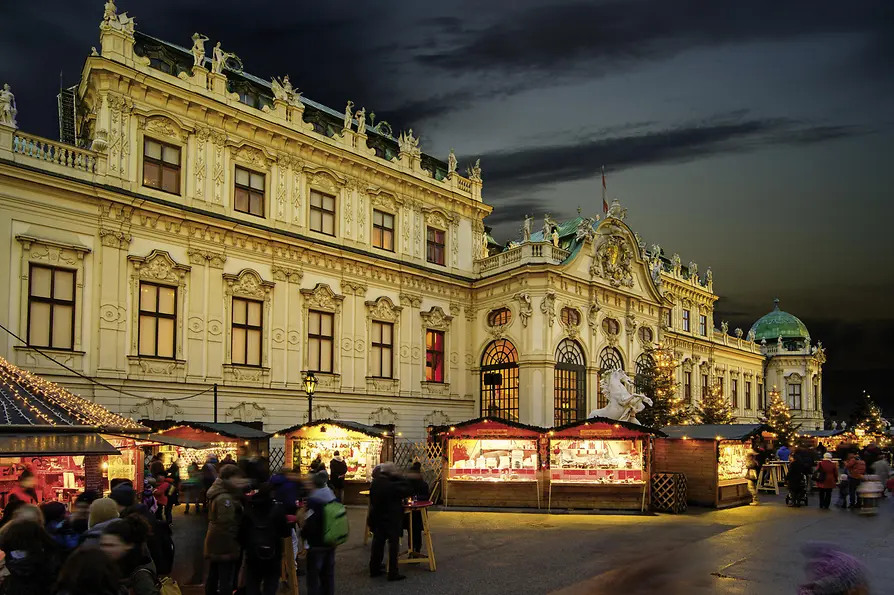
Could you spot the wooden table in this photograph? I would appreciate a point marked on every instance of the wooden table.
(422, 507)
(772, 476)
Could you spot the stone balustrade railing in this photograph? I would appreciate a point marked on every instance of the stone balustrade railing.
(529, 252)
(54, 152)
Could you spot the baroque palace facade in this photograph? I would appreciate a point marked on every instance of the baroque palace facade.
(207, 227)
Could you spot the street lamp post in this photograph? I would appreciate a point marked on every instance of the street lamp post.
(310, 384)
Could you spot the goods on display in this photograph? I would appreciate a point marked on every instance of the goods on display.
(359, 455)
(492, 460)
(57, 476)
(596, 461)
(733, 457)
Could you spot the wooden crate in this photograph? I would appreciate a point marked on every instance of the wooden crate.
(669, 492)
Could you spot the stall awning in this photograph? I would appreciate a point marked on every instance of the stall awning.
(821, 433)
(54, 444)
(347, 425)
(715, 431)
(170, 440)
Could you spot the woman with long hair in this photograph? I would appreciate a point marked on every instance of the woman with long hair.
(89, 571)
(31, 558)
(124, 541)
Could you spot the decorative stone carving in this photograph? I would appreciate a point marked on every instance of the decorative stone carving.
(751, 335)
(322, 297)
(616, 212)
(252, 156)
(198, 49)
(525, 308)
(159, 266)
(724, 327)
(284, 91)
(548, 307)
(593, 314)
(288, 274)
(383, 416)
(162, 126)
(437, 218)
(451, 163)
(324, 411)
(612, 261)
(222, 59)
(156, 409)
(435, 389)
(202, 257)
(247, 412)
(8, 108)
(349, 117)
(738, 333)
(436, 418)
(353, 288)
(411, 300)
(409, 144)
(474, 172)
(383, 309)
(693, 271)
(586, 229)
(677, 264)
(631, 323)
(436, 319)
(115, 239)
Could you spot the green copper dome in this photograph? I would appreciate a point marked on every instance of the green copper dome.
(779, 324)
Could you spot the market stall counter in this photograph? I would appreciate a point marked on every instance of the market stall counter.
(713, 458)
(493, 463)
(361, 446)
(599, 463)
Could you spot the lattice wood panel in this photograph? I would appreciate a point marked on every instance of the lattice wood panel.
(429, 455)
(669, 492)
(277, 458)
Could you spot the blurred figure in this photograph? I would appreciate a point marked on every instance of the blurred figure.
(156, 465)
(320, 556)
(58, 526)
(338, 469)
(856, 469)
(752, 474)
(124, 541)
(420, 492)
(31, 558)
(19, 511)
(222, 547)
(81, 512)
(25, 490)
(386, 500)
(262, 532)
(191, 487)
(825, 478)
(882, 470)
(102, 512)
(209, 474)
(160, 541)
(832, 572)
(88, 571)
(317, 464)
(228, 460)
(783, 453)
(164, 495)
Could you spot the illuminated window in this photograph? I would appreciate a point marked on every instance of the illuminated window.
(382, 349)
(570, 392)
(686, 320)
(499, 380)
(570, 317)
(644, 364)
(747, 394)
(610, 359)
(158, 319)
(51, 307)
(320, 341)
(734, 392)
(499, 317)
(249, 194)
(383, 230)
(322, 213)
(247, 332)
(703, 325)
(687, 386)
(794, 396)
(435, 244)
(434, 356)
(161, 166)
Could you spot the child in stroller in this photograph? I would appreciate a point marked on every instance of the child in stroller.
(797, 490)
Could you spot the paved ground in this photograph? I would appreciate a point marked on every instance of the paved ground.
(741, 551)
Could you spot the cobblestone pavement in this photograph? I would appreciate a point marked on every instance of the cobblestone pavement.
(746, 550)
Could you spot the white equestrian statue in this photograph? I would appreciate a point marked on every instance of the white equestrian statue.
(623, 402)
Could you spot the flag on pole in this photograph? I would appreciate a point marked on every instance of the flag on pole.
(604, 202)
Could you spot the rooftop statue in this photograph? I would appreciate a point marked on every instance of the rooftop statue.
(361, 120)
(585, 229)
(284, 91)
(724, 326)
(751, 335)
(623, 403)
(219, 59)
(709, 276)
(527, 228)
(676, 262)
(548, 224)
(616, 212)
(198, 49)
(656, 271)
(693, 270)
(451, 163)
(738, 333)
(111, 11)
(349, 115)
(475, 172)
(555, 238)
(8, 109)
(408, 143)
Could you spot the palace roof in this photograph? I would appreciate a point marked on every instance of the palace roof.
(779, 324)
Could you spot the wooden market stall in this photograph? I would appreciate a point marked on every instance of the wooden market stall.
(362, 447)
(600, 463)
(70, 444)
(493, 463)
(831, 439)
(712, 457)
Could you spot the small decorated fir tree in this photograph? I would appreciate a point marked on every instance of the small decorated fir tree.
(778, 416)
(659, 382)
(714, 408)
(868, 417)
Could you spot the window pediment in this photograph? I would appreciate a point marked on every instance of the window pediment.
(383, 309)
(248, 283)
(436, 319)
(156, 124)
(159, 266)
(322, 297)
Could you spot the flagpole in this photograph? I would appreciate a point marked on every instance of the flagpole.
(604, 201)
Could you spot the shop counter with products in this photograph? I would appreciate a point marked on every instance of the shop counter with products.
(493, 463)
(714, 459)
(599, 463)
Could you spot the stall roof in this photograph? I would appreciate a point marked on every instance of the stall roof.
(497, 420)
(55, 444)
(171, 440)
(821, 433)
(712, 431)
(614, 422)
(228, 429)
(29, 400)
(347, 425)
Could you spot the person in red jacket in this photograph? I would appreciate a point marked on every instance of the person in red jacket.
(828, 470)
(856, 469)
(26, 489)
(164, 489)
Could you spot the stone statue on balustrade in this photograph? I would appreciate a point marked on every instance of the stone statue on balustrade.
(555, 238)
(361, 120)
(349, 115)
(8, 109)
(198, 49)
(451, 163)
(693, 270)
(751, 335)
(111, 11)
(623, 402)
(284, 91)
(548, 225)
(408, 143)
(475, 172)
(219, 59)
(527, 228)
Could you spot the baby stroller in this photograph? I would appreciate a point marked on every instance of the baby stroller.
(797, 494)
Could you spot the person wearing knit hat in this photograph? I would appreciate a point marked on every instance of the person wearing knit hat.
(832, 572)
(124, 496)
(102, 512)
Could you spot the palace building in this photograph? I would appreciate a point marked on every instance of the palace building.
(200, 227)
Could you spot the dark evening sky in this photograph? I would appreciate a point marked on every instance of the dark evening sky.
(751, 136)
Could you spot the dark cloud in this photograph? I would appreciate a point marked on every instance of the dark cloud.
(510, 171)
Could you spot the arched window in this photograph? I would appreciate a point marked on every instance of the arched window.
(499, 380)
(643, 372)
(570, 383)
(570, 317)
(611, 326)
(499, 317)
(610, 359)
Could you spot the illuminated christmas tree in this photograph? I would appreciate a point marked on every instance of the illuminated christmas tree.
(658, 381)
(778, 416)
(714, 408)
(868, 417)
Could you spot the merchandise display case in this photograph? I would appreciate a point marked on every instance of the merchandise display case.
(361, 446)
(714, 459)
(493, 463)
(599, 463)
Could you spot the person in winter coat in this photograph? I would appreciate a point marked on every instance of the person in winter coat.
(156, 466)
(420, 491)
(829, 471)
(59, 528)
(320, 557)
(882, 469)
(31, 558)
(222, 547)
(338, 469)
(783, 453)
(81, 513)
(102, 512)
(89, 571)
(124, 541)
(25, 490)
(164, 500)
(209, 474)
(263, 529)
(386, 497)
(856, 469)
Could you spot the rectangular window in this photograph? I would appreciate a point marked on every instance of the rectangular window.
(320, 341)
(435, 245)
(747, 394)
(158, 320)
(322, 213)
(705, 385)
(816, 405)
(703, 325)
(249, 194)
(794, 396)
(734, 392)
(161, 166)
(434, 356)
(382, 349)
(761, 401)
(687, 387)
(51, 307)
(383, 230)
(247, 332)
(686, 321)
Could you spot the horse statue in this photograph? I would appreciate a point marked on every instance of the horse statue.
(623, 403)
